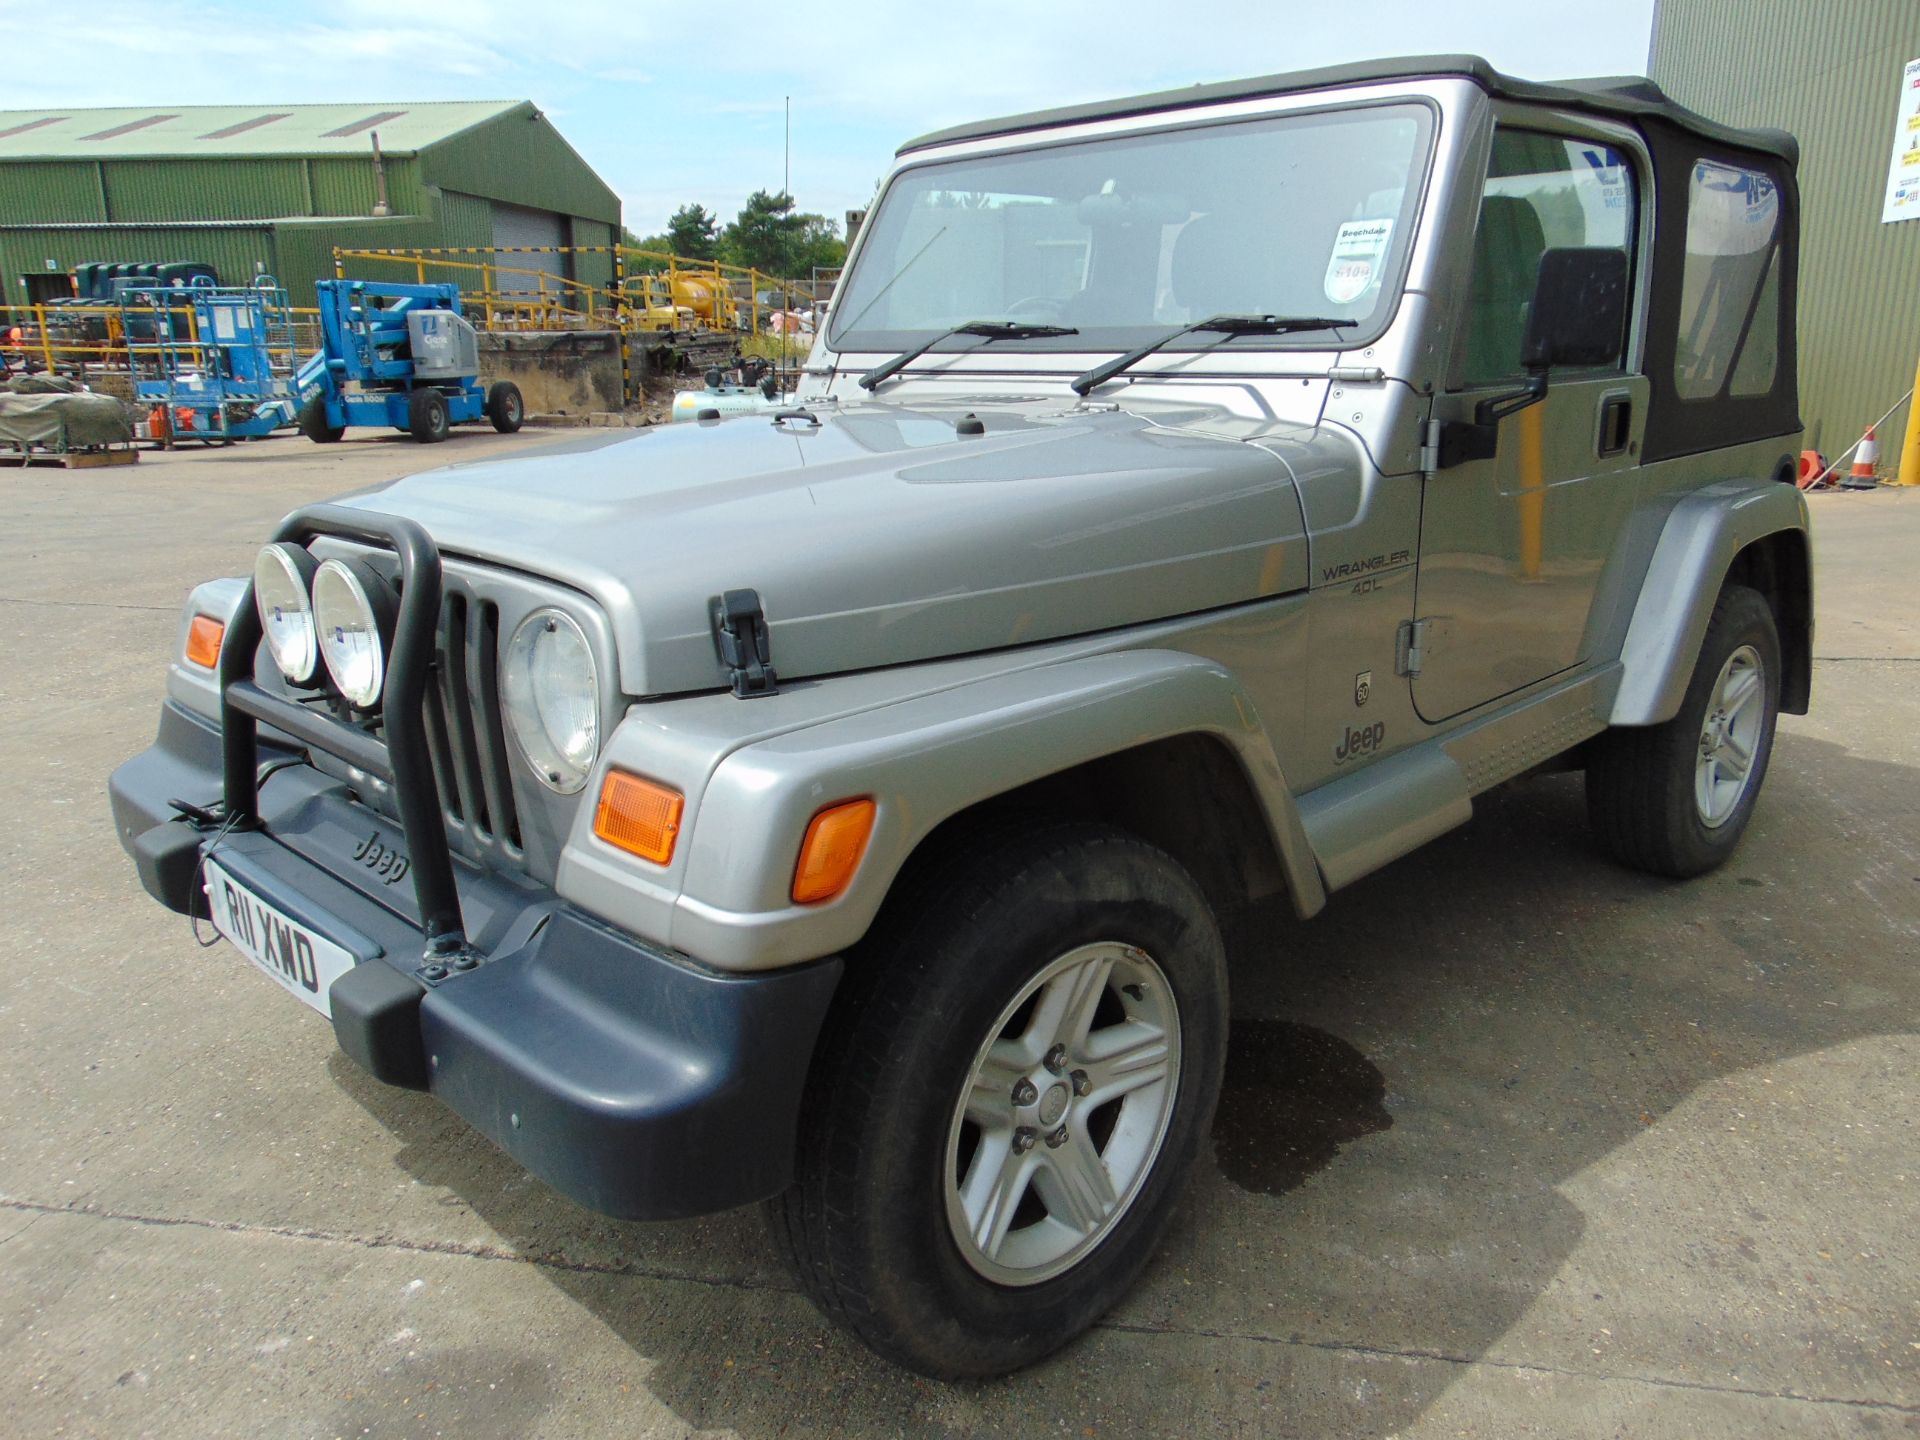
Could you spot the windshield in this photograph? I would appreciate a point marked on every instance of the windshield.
(1306, 214)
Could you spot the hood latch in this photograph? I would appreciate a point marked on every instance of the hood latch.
(740, 636)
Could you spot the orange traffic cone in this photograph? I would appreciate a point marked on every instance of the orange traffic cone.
(1865, 458)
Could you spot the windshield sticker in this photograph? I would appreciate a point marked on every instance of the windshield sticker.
(1359, 251)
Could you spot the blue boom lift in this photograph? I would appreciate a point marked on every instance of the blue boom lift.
(399, 355)
(216, 359)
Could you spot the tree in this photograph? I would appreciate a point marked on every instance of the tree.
(694, 231)
(770, 235)
(819, 245)
(655, 243)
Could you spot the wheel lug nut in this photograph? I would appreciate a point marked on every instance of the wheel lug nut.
(1056, 1138)
(1056, 1060)
(1081, 1084)
(1024, 1093)
(1024, 1137)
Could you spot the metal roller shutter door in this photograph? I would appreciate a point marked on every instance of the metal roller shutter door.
(516, 227)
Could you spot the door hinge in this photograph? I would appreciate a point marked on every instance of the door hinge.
(740, 636)
(1430, 448)
(1447, 443)
(1410, 647)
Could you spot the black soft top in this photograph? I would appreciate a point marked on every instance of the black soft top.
(1631, 97)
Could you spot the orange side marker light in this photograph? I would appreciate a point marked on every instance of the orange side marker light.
(835, 843)
(638, 816)
(203, 641)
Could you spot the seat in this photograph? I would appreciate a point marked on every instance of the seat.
(1209, 272)
(1506, 262)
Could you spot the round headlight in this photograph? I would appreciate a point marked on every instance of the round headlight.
(550, 690)
(353, 611)
(281, 577)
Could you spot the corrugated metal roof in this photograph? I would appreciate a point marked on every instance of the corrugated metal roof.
(209, 130)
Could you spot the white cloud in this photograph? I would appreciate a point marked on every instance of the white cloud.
(671, 105)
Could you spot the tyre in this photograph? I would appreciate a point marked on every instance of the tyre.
(1674, 799)
(313, 422)
(427, 416)
(505, 408)
(1013, 1086)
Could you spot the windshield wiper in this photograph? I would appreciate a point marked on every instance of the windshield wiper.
(985, 329)
(1228, 325)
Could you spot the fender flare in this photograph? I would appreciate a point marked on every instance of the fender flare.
(1697, 546)
(926, 759)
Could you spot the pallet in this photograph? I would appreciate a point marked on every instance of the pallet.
(68, 459)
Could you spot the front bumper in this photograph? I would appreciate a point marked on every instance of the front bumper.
(626, 1076)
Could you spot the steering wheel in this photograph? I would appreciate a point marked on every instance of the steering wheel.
(1043, 307)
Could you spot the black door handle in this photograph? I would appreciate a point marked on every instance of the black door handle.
(1616, 424)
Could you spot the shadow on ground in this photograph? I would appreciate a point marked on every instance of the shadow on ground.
(1415, 1072)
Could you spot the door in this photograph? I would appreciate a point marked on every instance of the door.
(1512, 548)
(42, 288)
(535, 276)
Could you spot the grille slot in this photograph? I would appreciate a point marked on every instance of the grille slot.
(465, 732)
(490, 730)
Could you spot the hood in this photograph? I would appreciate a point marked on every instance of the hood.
(881, 535)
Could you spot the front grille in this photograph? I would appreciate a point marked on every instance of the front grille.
(495, 811)
(465, 733)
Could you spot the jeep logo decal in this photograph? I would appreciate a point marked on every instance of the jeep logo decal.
(384, 860)
(1360, 742)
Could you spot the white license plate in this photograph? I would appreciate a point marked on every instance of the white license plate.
(303, 962)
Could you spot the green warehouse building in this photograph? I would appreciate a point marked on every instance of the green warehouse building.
(272, 189)
(1843, 76)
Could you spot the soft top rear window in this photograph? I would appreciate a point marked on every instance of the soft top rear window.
(1729, 286)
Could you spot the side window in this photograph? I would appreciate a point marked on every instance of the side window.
(1730, 284)
(1543, 192)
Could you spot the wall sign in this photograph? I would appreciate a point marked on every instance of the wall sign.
(1903, 173)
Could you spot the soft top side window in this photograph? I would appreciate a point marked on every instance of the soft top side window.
(1720, 344)
(1729, 285)
(1543, 192)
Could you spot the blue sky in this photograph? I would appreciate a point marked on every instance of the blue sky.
(684, 102)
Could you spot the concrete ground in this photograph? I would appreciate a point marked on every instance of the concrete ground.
(1515, 1143)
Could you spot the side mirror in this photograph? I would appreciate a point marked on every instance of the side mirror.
(1578, 316)
(1579, 310)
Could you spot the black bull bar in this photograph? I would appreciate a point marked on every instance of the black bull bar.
(399, 754)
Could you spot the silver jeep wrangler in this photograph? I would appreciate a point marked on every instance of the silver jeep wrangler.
(1189, 499)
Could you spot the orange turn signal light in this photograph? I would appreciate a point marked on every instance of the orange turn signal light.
(203, 641)
(836, 841)
(638, 816)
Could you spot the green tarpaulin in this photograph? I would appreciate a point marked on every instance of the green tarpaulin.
(63, 421)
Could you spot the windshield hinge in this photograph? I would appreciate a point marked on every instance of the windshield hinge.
(1410, 647)
(740, 636)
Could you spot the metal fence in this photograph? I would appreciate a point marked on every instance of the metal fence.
(90, 340)
(649, 294)
(504, 288)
